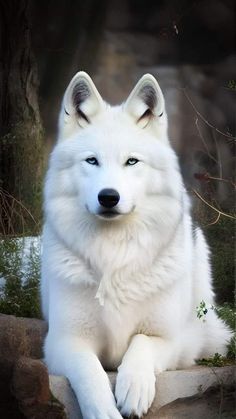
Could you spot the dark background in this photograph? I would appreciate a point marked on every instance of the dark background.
(187, 45)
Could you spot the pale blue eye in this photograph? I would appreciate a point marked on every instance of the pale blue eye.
(131, 161)
(92, 160)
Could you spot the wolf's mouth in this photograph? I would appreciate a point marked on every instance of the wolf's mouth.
(108, 214)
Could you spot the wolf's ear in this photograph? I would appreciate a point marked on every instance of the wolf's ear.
(146, 101)
(81, 100)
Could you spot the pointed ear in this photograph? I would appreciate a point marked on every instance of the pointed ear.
(81, 101)
(146, 101)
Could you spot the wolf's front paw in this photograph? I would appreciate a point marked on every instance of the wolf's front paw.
(101, 412)
(135, 391)
(99, 404)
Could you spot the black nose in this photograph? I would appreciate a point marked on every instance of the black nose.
(108, 198)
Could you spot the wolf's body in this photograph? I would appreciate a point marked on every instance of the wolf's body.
(123, 268)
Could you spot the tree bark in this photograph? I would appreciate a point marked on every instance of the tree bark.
(21, 134)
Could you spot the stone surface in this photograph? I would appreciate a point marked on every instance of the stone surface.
(216, 402)
(63, 392)
(189, 393)
(27, 392)
(30, 386)
(173, 385)
(30, 381)
(19, 337)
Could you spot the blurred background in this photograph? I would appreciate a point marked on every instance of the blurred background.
(189, 46)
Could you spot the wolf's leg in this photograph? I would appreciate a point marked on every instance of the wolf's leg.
(135, 385)
(80, 365)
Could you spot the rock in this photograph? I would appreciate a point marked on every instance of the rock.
(61, 389)
(21, 336)
(172, 385)
(26, 391)
(18, 337)
(30, 386)
(30, 382)
(180, 394)
(216, 402)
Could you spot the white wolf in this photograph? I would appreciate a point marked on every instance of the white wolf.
(123, 268)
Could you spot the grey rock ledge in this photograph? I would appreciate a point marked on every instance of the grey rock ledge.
(191, 393)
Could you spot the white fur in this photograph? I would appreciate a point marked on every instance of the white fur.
(121, 293)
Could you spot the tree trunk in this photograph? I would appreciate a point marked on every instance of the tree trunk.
(21, 134)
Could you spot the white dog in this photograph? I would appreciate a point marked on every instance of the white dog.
(123, 267)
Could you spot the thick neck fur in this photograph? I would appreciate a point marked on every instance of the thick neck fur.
(123, 254)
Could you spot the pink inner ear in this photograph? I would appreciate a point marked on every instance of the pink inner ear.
(145, 118)
(147, 114)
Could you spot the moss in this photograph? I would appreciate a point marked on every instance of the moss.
(227, 312)
(221, 238)
(22, 168)
(216, 361)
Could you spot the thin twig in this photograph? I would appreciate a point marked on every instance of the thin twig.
(212, 207)
(205, 120)
(215, 221)
(11, 207)
(4, 192)
(220, 179)
(218, 154)
(204, 142)
(206, 177)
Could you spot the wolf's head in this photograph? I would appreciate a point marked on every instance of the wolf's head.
(112, 163)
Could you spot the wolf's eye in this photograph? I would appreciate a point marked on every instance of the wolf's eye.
(92, 160)
(131, 161)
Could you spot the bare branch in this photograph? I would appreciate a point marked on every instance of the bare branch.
(215, 221)
(204, 119)
(204, 142)
(212, 207)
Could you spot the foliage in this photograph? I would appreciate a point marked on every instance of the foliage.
(232, 84)
(19, 272)
(221, 238)
(228, 313)
(215, 361)
(21, 172)
(202, 310)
